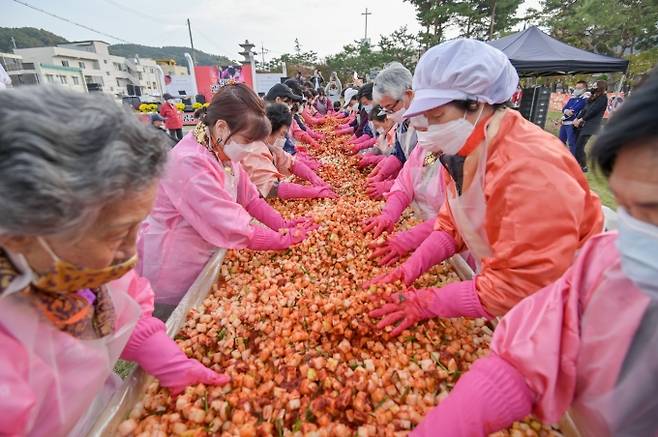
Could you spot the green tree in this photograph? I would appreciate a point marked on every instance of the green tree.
(642, 63)
(401, 46)
(26, 37)
(612, 27)
(294, 61)
(475, 17)
(435, 16)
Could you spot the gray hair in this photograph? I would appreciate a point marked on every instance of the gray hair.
(65, 154)
(392, 81)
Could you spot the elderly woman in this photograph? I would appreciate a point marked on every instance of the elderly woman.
(516, 198)
(588, 342)
(392, 90)
(74, 192)
(206, 201)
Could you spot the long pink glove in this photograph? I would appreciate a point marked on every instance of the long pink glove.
(264, 213)
(395, 204)
(436, 248)
(458, 299)
(303, 171)
(400, 244)
(151, 348)
(296, 191)
(308, 139)
(388, 167)
(344, 130)
(377, 190)
(361, 139)
(315, 135)
(311, 162)
(267, 239)
(364, 145)
(489, 397)
(367, 160)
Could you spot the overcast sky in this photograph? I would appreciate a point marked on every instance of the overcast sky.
(218, 26)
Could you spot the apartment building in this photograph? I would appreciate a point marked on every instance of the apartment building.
(90, 64)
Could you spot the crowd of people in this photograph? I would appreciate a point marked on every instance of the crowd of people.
(105, 228)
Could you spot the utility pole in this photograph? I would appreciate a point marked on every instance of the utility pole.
(263, 50)
(493, 20)
(189, 29)
(365, 35)
(13, 41)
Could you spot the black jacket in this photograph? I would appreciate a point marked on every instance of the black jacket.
(592, 114)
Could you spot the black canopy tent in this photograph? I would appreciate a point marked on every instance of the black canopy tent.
(534, 53)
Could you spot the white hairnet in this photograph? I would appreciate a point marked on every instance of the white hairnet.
(462, 69)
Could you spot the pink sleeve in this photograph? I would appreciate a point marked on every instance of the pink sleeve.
(540, 336)
(404, 181)
(297, 132)
(16, 397)
(247, 191)
(139, 288)
(207, 206)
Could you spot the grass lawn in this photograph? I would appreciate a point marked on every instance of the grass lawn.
(597, 183)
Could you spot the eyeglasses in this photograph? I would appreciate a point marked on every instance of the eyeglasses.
(391, 110)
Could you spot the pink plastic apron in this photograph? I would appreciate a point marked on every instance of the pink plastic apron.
(71, 378)
(608, 326)
(469, 210)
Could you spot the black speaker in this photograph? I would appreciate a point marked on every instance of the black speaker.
(534, 105)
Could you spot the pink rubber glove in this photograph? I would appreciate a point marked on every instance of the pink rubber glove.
(309, 140)
(313, 163)
(296, 191)
(390, 214)
(304, 222)
(438, 247)
(400, 244)
(367, 160)
(361, 139)
(344, 131)
(303, 171)
(364, 145)
(388, 167)
(489, 397)
(264, 213)
(458, 299)
(377, 190)
(151, 348)
(266, 239)
(315, 135)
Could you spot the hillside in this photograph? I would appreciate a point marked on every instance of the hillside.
(27, 37)
(33, 37)
(167, 52)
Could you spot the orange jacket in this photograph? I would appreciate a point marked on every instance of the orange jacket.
(539, 211)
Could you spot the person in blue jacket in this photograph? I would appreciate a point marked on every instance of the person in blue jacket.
(569, 112)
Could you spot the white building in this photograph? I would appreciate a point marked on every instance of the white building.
(98, 69)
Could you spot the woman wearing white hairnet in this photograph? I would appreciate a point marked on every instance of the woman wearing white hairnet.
(587, 342)
(516, 198)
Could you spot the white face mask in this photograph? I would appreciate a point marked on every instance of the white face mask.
(638, 245)
(355, 107)
(368, 108)
(170, 101)
(578, 92)
(397, 116)
(381, 131)
(236, 152)
(449, 137)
